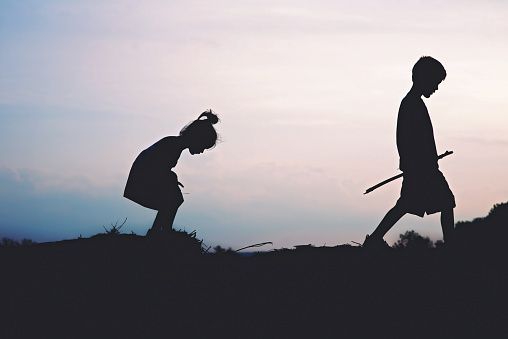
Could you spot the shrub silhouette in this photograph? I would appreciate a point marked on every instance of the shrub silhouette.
(221, 250)
(7, 242)
(115, 228)
(413, 240)
(181, 241)
(485, 232)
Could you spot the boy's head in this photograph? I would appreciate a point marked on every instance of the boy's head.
(428, 74)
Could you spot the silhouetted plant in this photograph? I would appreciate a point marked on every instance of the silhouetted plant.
(27, 242)
(7, 242)
(221, 250)
(485, 232)
(413, 240)
(499, 212)
(115, 228)
(439, 244)
(183, 241)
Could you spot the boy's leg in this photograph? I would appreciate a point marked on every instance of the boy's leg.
(447, 224)
(391, 217)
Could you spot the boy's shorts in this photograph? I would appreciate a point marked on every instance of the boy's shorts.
(425, 193)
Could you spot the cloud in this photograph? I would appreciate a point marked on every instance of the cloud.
(483, 141)
(296, 83)
(32, 206)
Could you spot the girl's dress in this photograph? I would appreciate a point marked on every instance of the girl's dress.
(151, 181)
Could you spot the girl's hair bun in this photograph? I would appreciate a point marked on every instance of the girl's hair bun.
(201, 130)
(210, 117)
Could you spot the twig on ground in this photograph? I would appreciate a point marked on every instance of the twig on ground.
(255, 245)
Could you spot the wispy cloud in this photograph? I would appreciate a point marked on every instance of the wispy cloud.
(484, 141)
(35, 206)
(87, 85)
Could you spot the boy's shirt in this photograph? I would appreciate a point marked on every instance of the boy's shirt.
(415, 137)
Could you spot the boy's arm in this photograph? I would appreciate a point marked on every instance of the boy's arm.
(405, 136)
(411, 141)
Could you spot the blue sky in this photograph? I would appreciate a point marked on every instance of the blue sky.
(308, 93)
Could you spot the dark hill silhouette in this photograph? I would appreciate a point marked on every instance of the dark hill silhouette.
(127, 286)
(486, 233)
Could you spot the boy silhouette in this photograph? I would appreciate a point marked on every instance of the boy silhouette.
(424, 187)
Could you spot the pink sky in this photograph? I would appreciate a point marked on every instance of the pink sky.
(308, 94)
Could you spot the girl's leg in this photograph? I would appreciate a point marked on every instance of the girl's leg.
(160, 219)
(164, 220)
(170, 218)
(447, 224)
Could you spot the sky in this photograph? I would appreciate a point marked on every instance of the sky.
(307, 93)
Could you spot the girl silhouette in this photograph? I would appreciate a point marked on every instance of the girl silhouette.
(151, 181)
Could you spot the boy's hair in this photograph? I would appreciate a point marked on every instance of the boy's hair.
(427, 68)
(202, 129)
